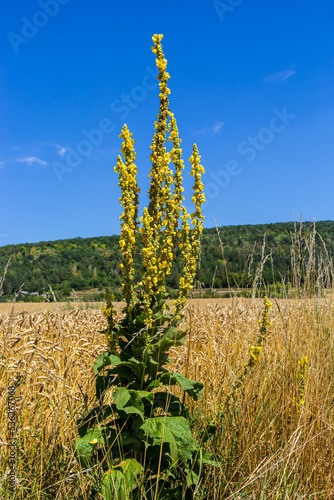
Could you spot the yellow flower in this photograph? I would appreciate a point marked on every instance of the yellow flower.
(255, 352)
(129, 227)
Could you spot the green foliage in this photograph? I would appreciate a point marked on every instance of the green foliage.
(140, 430)
(121, 481)
(52, 266)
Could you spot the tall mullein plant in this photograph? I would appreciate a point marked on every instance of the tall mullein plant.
(139, 430)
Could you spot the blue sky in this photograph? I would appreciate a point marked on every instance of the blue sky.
(251, 83)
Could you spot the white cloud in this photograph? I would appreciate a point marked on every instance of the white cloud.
(61, 151)
(32, 160)
(209, 131)
(217, 127)
(280, 76)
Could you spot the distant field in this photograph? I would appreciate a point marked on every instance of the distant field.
(30, 307)
(63, 306)
(46, 306)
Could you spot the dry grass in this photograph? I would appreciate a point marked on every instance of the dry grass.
(270, 449)
(6, 308)
(31, 307)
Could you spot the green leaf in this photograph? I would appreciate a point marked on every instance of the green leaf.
(129, 401)
(105, 359)
(161, 343)
(154, 384)
(174, 335)
(149, 396)
(125, 373)
(138, 350)
(86, 444)
(119, 482)
(175, 433)
(113, 486)
(191, 476)
(207, 458)
(194, 389)
(135, 366)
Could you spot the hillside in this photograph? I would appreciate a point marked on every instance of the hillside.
(92, 263)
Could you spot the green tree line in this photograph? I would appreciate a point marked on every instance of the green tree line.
(92, 263)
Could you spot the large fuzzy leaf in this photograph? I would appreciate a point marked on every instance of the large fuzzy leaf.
(119, 482)
(175, 433)
(135, 366)
(132, 402)
(86, 444)
(171, 336)
(105, 359)
(207, 458)
(194, 389)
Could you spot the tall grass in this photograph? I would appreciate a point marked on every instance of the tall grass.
(311, 271)
(271, 447)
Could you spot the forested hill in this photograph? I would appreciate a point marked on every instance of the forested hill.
(91, 263)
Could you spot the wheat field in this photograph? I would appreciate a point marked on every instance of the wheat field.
(272, 446)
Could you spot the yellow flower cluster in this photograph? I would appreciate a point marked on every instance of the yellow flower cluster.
(160, 222)
(172, 203)
(149, 279)
(158, 214)
(302, 362)
(190, 246)
(127, 173)
(176, 156)
(107, 311)
(264, 323)
(159, 157)
(255, 352)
